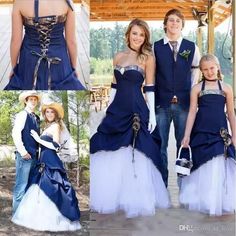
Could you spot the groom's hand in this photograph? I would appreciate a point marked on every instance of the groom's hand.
(26, 157)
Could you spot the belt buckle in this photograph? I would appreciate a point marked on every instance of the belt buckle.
(174, 100)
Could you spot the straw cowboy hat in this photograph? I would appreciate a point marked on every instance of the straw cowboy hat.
(55, 106)
(24, 95)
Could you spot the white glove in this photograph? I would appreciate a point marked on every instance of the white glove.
(36, 137)
(152, 116)
(112, 96)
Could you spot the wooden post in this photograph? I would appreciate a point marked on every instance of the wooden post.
(78, 138)
(211, 41)
(199, 39)
(234, 51)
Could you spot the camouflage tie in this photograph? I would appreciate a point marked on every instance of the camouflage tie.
(174, 46)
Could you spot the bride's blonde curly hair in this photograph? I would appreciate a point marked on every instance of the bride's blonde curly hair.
(146, 48)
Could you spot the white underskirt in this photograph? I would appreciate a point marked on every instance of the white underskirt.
(211, 188)
(36, 211)
(113, 185)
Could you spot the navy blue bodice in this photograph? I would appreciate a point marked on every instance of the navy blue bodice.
(129, 96)
(211, 111)
(115, 131)
(49, 156)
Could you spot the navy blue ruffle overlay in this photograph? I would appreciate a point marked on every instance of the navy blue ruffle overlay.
(115, 131)
(51, 177)
(206, 141)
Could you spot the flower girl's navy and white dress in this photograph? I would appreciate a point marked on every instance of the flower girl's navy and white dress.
(116, 182)
(50, 202)
(44, 62)
(211, 186)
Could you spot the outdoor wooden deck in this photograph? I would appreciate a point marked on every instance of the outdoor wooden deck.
(83, 45)
(5, 34)
(82, 37)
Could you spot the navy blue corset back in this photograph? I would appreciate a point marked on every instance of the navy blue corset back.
(211, 111)
(40, 34)
(44, 62)
(40, 30)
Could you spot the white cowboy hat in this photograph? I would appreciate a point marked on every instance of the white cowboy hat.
(55, 106)
(24, 95)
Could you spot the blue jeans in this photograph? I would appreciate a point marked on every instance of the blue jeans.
(23, 168)
(164, 118)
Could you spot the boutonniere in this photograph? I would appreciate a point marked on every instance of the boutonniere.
(185, 54)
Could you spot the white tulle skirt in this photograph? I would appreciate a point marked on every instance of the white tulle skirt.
(113, 185)
(36, 211)
(211, 188)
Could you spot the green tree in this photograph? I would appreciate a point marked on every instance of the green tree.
(79, 107)
(117, 39)
(156, 34)
(9, 106)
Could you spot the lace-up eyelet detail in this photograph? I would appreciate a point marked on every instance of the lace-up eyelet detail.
(44, 27)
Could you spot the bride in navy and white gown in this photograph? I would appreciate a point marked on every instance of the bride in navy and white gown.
(125, 161)
(50, 202)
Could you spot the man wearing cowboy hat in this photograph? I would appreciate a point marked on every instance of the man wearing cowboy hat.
(26, 146)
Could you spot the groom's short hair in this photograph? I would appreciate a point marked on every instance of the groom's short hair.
(173, 12)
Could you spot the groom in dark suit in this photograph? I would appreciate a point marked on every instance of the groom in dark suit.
(26, 147)
(177, 61)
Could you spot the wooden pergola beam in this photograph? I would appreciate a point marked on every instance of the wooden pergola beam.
(123, 10)
(11, 1)
(142, 5)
